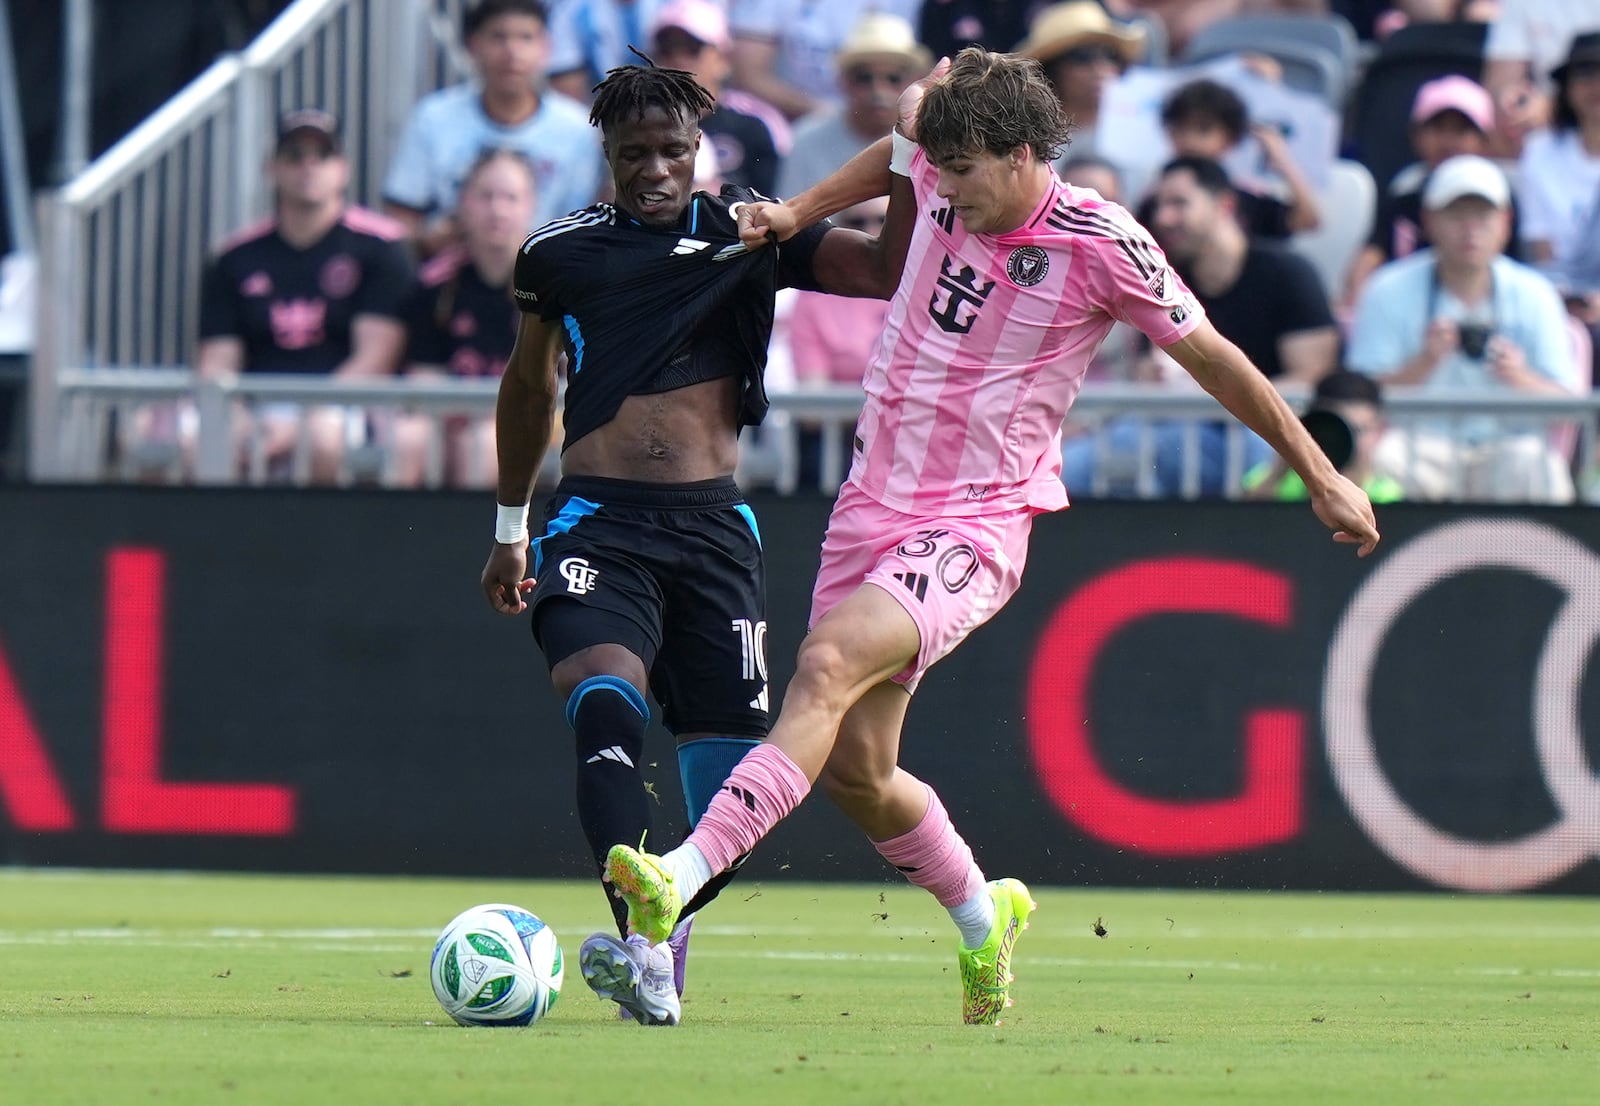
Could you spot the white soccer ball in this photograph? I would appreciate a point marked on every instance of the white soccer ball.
(496, 964)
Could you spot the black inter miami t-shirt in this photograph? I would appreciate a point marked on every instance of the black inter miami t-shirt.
(293, 308)
(746, 154)
(646, 309)
(456, 321)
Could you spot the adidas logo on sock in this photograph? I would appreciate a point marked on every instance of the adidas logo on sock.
(613, 752)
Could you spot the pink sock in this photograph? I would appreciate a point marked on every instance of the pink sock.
(934, 856)
(762, 788)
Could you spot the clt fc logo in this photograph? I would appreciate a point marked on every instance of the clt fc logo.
(1268, 808)
(579, 575)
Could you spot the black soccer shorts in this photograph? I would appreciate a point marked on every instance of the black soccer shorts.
(675, 574)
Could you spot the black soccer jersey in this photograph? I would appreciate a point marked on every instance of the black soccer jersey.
(647, 309)
(457, 322)
(293, 308)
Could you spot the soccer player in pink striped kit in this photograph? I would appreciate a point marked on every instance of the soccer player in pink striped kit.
(1012, 281)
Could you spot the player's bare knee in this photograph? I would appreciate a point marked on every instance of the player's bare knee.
(854, 787)
(823, 675)
(597, 660)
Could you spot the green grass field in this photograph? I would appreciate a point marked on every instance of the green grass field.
(176, 988)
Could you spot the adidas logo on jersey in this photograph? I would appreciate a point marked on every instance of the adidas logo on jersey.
(727, 253)
(687, 246)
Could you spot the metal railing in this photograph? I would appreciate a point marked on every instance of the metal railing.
(104, 400)
(123, 245)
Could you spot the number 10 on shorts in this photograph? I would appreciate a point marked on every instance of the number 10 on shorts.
(752, 648)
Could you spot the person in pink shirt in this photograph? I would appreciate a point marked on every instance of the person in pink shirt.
(831, 340)
(1012, 279)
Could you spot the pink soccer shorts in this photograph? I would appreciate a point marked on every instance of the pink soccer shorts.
(951, 574)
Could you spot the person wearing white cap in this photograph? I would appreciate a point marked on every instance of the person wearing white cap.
(1461, 317)
(875, 63)
(1450, 115)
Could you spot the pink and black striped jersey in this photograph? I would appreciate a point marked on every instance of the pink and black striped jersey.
(986, 344)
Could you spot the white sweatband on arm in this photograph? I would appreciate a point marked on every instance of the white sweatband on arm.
(511, 524)
(900, 158)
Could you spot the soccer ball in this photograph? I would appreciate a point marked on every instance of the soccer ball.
(496, 965)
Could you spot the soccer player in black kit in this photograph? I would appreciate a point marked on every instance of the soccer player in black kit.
(648, 565)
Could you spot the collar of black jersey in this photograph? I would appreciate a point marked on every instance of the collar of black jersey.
(688, 222)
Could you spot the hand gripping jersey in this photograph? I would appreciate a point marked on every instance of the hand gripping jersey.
(650, 309)
(986, 344)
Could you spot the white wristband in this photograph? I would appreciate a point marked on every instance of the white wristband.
(900, 158)
(511, 524)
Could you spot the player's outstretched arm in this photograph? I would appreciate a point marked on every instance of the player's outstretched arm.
(863, 177)
(524, 419)
(847, 262)
(1222, 369)
(854, 263)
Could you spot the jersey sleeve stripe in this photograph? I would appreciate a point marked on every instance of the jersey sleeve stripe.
(588, 218)
(1132, 242)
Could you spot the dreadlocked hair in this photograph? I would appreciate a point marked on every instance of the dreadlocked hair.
(631, 90)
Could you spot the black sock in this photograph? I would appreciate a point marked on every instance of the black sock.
(613, 807)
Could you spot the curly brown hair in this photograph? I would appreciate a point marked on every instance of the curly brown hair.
(991, 103)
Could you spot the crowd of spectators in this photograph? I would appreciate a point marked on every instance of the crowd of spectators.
(1480, 274)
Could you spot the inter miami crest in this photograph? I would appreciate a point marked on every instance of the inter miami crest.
(1027, 265)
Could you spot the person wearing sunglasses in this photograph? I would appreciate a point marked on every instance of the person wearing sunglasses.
(786, 53)
(878, 61)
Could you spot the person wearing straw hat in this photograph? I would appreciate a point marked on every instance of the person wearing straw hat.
(876, 62)
(1082, 50)
(784, 52)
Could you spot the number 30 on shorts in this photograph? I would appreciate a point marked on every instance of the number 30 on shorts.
(956, 564)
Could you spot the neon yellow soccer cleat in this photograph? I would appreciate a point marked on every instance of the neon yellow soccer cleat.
(643, 882)
(986, 972)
